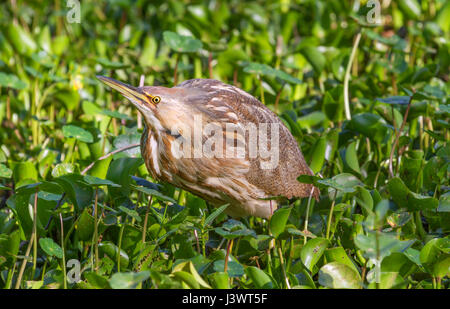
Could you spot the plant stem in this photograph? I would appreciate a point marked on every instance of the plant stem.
(377, 250)
(144, 228)
(397, 137)
(196, 241)
(261, 89)
(122, 228)
(96, 229)
(105, 135)
(10, 275)
(175, 71)
(347, 76)
(280, 253)
(64, 252)
(34, 122)
(438, 283)
(419, 226)
(210, 69)
(277, 98)
(24, 262)
(235, 75)
(331, 215)
(229, 246)
(35, 232)
(108, 155)
(305, 229)
(291, 249)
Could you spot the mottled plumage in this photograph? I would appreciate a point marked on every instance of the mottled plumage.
(240, 182)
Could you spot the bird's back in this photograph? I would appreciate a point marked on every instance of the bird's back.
(235, 105)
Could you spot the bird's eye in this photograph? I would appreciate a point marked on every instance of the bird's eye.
(156, 99)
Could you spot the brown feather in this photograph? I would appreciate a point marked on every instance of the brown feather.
(275, 182)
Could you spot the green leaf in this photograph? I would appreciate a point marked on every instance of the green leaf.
(397, 262)
(71, 131)
(220, 280)
(259, 69)
(344, 182)
(187, 279)
(111, 64)
(96, 280)
(132, 213)
(338, 255)
(9, 248)
(21, 40)
(413, 255)
(370, 125)
(313, 251)
(76, 190)
(119, 172)
(336, 275)
(233, 229)
(410, 7)
(4, 171)
(399, 219)
(149, 49)
(333, 103)
(234, 269)
(278, 221)
(111, 250)
(114, 114)
(401, 100)
(50, 247)
(197, 276)
(128, 139)
(85, 226)
(388, 280)
(25, 170)
(97, 182)
(11, 81)
(63, 169)
(403, 197)
(444, 203)
(129, 280)
(351, 158)
(386, 244)
(314, 57)
(364, 199)
(60, 44)
(259, 278)
(430, 252)
(215, 214)
(442, 266)
(181, 43)
(318, 155)
(265, 70)
(2, 187)
(158, 195)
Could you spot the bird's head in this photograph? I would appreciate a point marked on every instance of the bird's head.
(164, 109)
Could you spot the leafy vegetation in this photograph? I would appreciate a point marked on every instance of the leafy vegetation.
(368, 104)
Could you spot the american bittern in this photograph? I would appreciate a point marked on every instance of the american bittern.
(245, 181)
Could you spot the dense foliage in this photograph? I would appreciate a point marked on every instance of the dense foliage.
(380, 154)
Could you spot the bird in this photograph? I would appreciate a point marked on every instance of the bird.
(200, 136)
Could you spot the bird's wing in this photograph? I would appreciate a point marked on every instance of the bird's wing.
(228, 104)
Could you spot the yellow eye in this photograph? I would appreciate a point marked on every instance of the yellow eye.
(156, 99)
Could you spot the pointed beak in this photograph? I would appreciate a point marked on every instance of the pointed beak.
(134, 94)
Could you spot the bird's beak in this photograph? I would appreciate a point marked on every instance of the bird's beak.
(134, 94)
